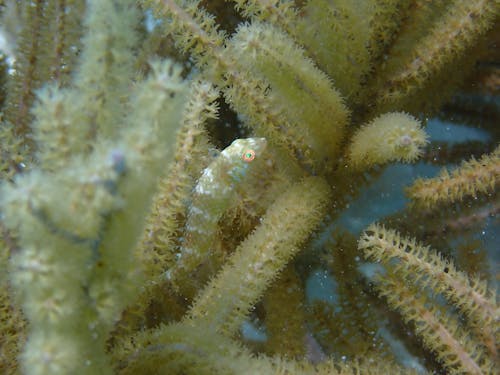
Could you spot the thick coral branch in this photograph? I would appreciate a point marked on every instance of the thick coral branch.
(78, 227)
(390, 137)
(293, 79)
(227, 299)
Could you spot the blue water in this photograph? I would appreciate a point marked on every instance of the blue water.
(385, 196)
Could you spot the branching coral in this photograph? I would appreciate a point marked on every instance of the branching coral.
(473, 352)
(134, 246)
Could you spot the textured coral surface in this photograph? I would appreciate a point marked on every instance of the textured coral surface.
(189, 187)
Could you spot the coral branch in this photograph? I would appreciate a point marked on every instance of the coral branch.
(457, 351)
(418, 263)
(390, 137)
(279, 12)
(195, 30)
(293, 79)
(157, 248)
(459, 28)
(470, 179)
(225, 302)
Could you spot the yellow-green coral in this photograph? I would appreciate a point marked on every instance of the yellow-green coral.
(421, 268)
(108, 169)
(472, 178)
(390, 137)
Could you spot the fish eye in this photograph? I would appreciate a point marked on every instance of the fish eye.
(248, 156)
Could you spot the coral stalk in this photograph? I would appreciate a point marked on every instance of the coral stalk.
(472, 178)
(420, 264)
(227, 299)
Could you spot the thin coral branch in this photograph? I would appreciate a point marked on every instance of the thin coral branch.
(418, 263)
(441, 334)
(472, 178)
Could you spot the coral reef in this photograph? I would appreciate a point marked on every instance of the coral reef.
(168, 217)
